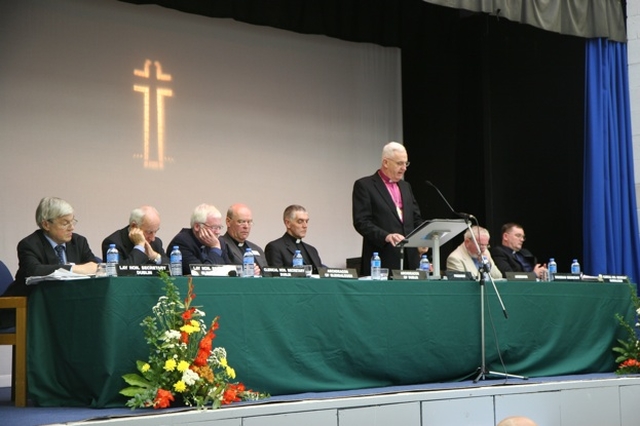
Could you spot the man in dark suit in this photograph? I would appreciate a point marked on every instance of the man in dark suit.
(137, 243)
(201, 244)
(239, 223)
(51, 247)
(280, 252)
(384, 211)
(511, 257)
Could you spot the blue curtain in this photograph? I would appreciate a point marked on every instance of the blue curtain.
(611, 237)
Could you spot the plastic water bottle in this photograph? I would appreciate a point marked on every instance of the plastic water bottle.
(297, 259)
(375, 266)
(175, 262)
(575, 267)
(248, 263)
(112, 260)
(424, 265)
(552, 266)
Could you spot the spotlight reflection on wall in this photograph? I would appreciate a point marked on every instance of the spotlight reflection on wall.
(155, 83)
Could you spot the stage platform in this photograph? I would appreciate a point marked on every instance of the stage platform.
(585, 400)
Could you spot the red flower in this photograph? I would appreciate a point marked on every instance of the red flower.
(163, 399)
(630, 363)
(186, 315)
(231, 393)
(201, 359)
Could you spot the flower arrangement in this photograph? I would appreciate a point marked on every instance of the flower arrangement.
(182, 364)
(629, 359)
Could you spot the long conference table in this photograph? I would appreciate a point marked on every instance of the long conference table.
(289, 335)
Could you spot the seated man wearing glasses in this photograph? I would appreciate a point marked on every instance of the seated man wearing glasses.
(239, 223)
(465, 258)
(201, 244)
(137, 243)
(384, 211)
(511, 257)
(51, 247)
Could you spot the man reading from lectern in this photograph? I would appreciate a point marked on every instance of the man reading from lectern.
(384, 211)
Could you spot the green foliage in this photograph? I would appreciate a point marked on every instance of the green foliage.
(628, 359)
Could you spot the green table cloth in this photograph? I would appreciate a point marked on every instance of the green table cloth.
(287, 335)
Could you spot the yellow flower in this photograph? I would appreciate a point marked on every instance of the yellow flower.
(170, 365)
(145, 367)
(179, 386)
(231, 373)
(192, 327)
(223, 362)
(183, 366)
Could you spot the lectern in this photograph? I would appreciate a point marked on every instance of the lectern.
(434, 233)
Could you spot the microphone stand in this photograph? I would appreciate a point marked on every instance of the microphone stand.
(485, 271)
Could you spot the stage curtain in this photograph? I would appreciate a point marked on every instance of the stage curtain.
(610, 227)
(582, 18)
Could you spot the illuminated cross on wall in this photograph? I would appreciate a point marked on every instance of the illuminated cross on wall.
(155, 82)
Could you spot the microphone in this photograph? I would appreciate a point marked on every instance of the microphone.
(465, 216)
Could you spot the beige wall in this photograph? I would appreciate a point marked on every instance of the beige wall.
(256, 115)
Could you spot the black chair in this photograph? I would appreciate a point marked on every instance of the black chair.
(16, 337)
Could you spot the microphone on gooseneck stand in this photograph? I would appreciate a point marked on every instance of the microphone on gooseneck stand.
(465, 216)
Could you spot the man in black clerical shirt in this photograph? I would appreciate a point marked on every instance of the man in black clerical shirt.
(280, 252)
(511, 257)
(239, 223)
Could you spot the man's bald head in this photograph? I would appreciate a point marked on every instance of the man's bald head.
(517, 421)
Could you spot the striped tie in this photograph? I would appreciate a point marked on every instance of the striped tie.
(60, 251)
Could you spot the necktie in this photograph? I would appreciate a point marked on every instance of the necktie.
(526, 267)
(60, 252)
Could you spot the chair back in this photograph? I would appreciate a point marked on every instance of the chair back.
(5, 278)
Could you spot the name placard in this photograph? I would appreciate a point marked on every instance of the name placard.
(615, 278)
(142, 270)
(283, 272)
(209, 270)
(348, 273)
(566, 277)
(409, 275)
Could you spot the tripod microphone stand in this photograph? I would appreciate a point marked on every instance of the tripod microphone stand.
(484, 273)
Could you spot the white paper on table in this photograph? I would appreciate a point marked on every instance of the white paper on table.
(60, 274)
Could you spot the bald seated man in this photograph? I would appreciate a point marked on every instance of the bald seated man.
(137, 243)
(239, 223)
(517, 421)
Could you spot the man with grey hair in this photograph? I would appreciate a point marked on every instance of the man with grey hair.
(467, 258)
(384, 211)
(54, 245)
(201, 244)
(280, 252)
(137, 243)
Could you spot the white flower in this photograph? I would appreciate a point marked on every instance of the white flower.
(218, 354)
(189, 377)
(171, 335)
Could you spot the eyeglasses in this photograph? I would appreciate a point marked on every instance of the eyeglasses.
(67, 224)
(520, 236)
(486, 246)
(244, 222)
(213, 227)
(400, 163)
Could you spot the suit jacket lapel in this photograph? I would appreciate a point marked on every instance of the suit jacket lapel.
(384, 193)
(235, 250)
(51, 257)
